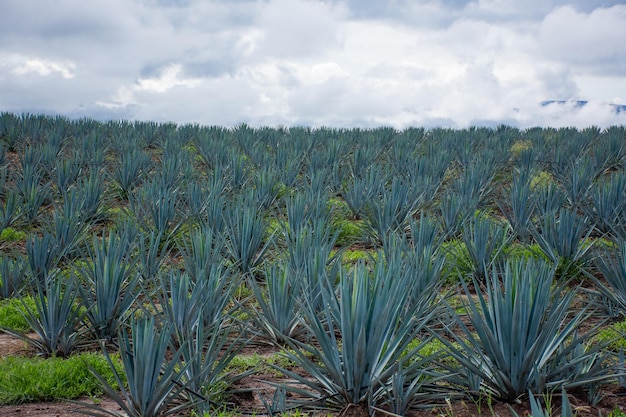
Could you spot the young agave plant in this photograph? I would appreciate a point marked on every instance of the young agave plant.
(485, 240)
(612, 265)
(362, 332)
(43, 255)
(563, 238)
(9, 209)
(391, 211)
(523, 337)
(154, 385)
(519, 207)
(204, 247)
(245, 227)
(12, 275)
(279, 314)
(206, 353)
(55, 319)
(111, 284)
(194, 302)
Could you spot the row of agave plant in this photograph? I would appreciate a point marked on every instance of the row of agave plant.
(143, 235)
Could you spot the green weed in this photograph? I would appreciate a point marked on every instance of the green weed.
(25, 380)
(12, 313)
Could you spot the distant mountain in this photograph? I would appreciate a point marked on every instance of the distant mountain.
(617, 108)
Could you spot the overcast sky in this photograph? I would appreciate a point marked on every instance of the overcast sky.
(340, 63)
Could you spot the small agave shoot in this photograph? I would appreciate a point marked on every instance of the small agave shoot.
(523, 336)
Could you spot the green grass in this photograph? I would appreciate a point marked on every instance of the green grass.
(353, 256)
(616, 413)
(10, 235)
(261, 364)
(12, 313)
(24, 380)
(614, 335)
(350, 231)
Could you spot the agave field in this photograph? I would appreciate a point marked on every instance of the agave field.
(364, 271)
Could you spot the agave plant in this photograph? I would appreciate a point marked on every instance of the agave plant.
(34, 192)
(362, 332)
(43, 255)
(612, 265)
(68, 225)
(156, 206)
(128, 173)
(9, 209)
(154, 386)
(485, 240)
(391, 211)
(523, 336)
(563, 239)
(55, 319)
(111, 284)
(204, 248)
(245, 227)
(266, 186)
(153, 250)
(279, 315)
(549, 199)
(362, 190)
(454, 210)
(413, 384)
(519, 207)
(608, 203)
(201, 302)
(309, 257)
(91, 190)
(66, 171)
(578, 181)
(206, 352)
(12, 275)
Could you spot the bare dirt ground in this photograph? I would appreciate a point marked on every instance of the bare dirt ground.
(258, 386)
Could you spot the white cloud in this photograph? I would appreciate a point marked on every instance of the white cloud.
(330, 62)
(23, 65)
(591, 42)
(296, 28)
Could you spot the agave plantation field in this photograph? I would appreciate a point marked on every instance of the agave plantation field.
(193, 270)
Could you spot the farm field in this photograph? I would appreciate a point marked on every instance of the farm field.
(151, 269)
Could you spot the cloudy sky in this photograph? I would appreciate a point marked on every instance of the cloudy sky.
(339, 63)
